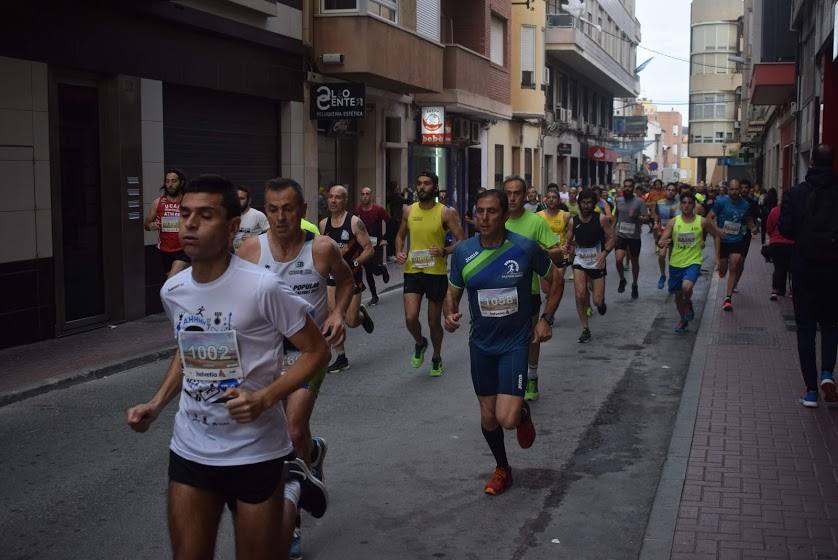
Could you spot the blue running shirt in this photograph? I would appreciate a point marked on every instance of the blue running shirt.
(498, 283)
(731, 217)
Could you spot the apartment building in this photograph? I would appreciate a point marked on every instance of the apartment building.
(715, 84)
(590, 60)
(96, 99)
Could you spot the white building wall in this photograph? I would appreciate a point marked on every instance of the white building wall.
(151, 130)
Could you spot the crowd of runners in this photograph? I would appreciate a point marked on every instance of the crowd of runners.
(259, 302)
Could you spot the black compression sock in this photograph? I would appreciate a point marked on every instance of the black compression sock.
(495, 441)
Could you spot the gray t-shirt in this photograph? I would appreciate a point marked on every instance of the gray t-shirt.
(629, 213)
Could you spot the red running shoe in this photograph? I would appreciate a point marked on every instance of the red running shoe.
(500, 481)
(526, 429)
(728, 305)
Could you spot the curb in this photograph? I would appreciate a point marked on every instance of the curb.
(660, 529)
(76, 377)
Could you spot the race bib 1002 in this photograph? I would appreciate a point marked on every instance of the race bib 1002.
(626, 228)
(732, 228)
(211, 357)
(497, 302)
(422, 258)
(586, 256)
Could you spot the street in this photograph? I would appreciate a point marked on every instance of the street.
(406, 461)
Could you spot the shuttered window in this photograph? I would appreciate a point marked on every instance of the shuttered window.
(427, 19)
(497, 42)
(528, 56)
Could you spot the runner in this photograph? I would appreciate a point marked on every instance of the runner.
(533, 204)
(350, 233)
(591, 239)
(656, 193)
(534, 228)
(375, 218)
(425, 266)
(731, 214)
(304, 261)
(631, 213)
(253, 221)
(684, 234)
(747, 193)
(230, 437)
(164, 216)
(495, 267)
(664, 210)
(572, 204)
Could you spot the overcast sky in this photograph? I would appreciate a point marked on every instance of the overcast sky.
(665, 27)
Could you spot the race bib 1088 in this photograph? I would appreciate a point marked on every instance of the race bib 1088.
(497, 302)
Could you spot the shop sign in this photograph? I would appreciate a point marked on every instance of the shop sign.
(338, 101)
(565, 149)
(601, 153)
(434, 125)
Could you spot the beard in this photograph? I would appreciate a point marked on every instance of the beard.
(424, 196)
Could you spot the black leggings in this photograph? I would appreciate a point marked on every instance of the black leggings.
(781, 257)
(814, 305)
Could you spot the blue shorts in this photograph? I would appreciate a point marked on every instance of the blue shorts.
(499, 374)
(678, 275)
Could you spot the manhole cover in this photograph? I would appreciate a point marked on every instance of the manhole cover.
(745, 339)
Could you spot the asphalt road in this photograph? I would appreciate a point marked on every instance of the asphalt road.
(406, 462)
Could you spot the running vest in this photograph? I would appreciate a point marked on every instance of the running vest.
(343, 236)
(589, 238)
(426, 229)
(168, 216)
(300, 275)
(687, 243)
(557, 223)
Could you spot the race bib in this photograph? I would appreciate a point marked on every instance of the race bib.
(685, 239)
(374, 241)
(732, 228)
(422, 258)
(170, 224)
(586, 256)
(626, 228)
(211, 357)
(498, 302)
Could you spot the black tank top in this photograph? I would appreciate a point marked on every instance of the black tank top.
(343, 236)
(588, 234)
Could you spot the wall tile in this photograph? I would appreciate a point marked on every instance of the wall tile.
(40, 128)
(152, 133)
(43, 194)
(40, 85)
(151, 100)
(15, 127)
(43, 229)
(17, 185)
(16, 77)
(17, 236)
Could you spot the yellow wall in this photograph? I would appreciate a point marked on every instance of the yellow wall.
(515, 134)
(527, 101)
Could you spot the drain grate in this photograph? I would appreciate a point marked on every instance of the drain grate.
(745, 339)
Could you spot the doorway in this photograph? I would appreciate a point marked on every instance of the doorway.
(80, 274)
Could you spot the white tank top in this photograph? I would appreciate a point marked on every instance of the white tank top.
(300, 275)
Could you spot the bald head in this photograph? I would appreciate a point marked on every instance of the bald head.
(337, 199)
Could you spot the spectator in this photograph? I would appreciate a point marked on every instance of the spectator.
(769, 202)
(780, 250)
(808, 216)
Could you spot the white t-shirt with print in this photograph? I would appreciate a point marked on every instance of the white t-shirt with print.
(261, 309)
(253, 222)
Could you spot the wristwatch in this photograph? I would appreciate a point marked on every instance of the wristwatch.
(548, 318)
(355, 264)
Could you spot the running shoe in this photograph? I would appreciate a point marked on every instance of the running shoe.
(340, 364)
(531, 394)
(634, 294)
(500, 481)
(621, 287)
(773, 297)
(373, 301)
(809, 399)
(585, 336)
(436, 367)
(728, 305)
(601, 309)
(366, 320)
(662, 281)
(682, 327)
(690, 316)
(313, 495)
(318, 455)
(830, 395)
(419, 353)
(589, 312)
(526, 429)
(385, 274)
(296, 550)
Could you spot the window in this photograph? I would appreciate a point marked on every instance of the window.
(675, 130)
(339, 5)
(714, 37)
(428, 19)
(712, 106)
(528, 56)
(497, 41)
(498, 166)
(720, 132)
(388, 9)
(393, 130)
(528, 166)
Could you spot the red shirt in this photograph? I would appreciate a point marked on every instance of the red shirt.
(372, 218)
(773, 231)
(168, 216)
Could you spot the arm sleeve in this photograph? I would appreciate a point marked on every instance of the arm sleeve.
(455, 275)
(282, 308)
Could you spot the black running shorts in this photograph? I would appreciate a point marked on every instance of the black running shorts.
(727, 249)
(432, 286)
(630, 245)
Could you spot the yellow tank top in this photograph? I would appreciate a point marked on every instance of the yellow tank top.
(557, 223)
(425, 229)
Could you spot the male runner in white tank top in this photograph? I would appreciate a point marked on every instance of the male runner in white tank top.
(304, 262)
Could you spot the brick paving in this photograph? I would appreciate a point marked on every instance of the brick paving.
(762, 476)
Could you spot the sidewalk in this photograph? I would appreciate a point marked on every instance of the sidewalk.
(50, 364)
(750, 472)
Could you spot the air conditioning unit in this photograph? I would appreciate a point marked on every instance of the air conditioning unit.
(527, 79)
(461, 130)
(563, 114)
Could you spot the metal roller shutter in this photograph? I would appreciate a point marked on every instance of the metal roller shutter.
(236, 136)
(428, 19)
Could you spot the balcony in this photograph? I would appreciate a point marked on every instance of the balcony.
(472, 85)
(378, 53)
(773, 83)
(574, 48)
